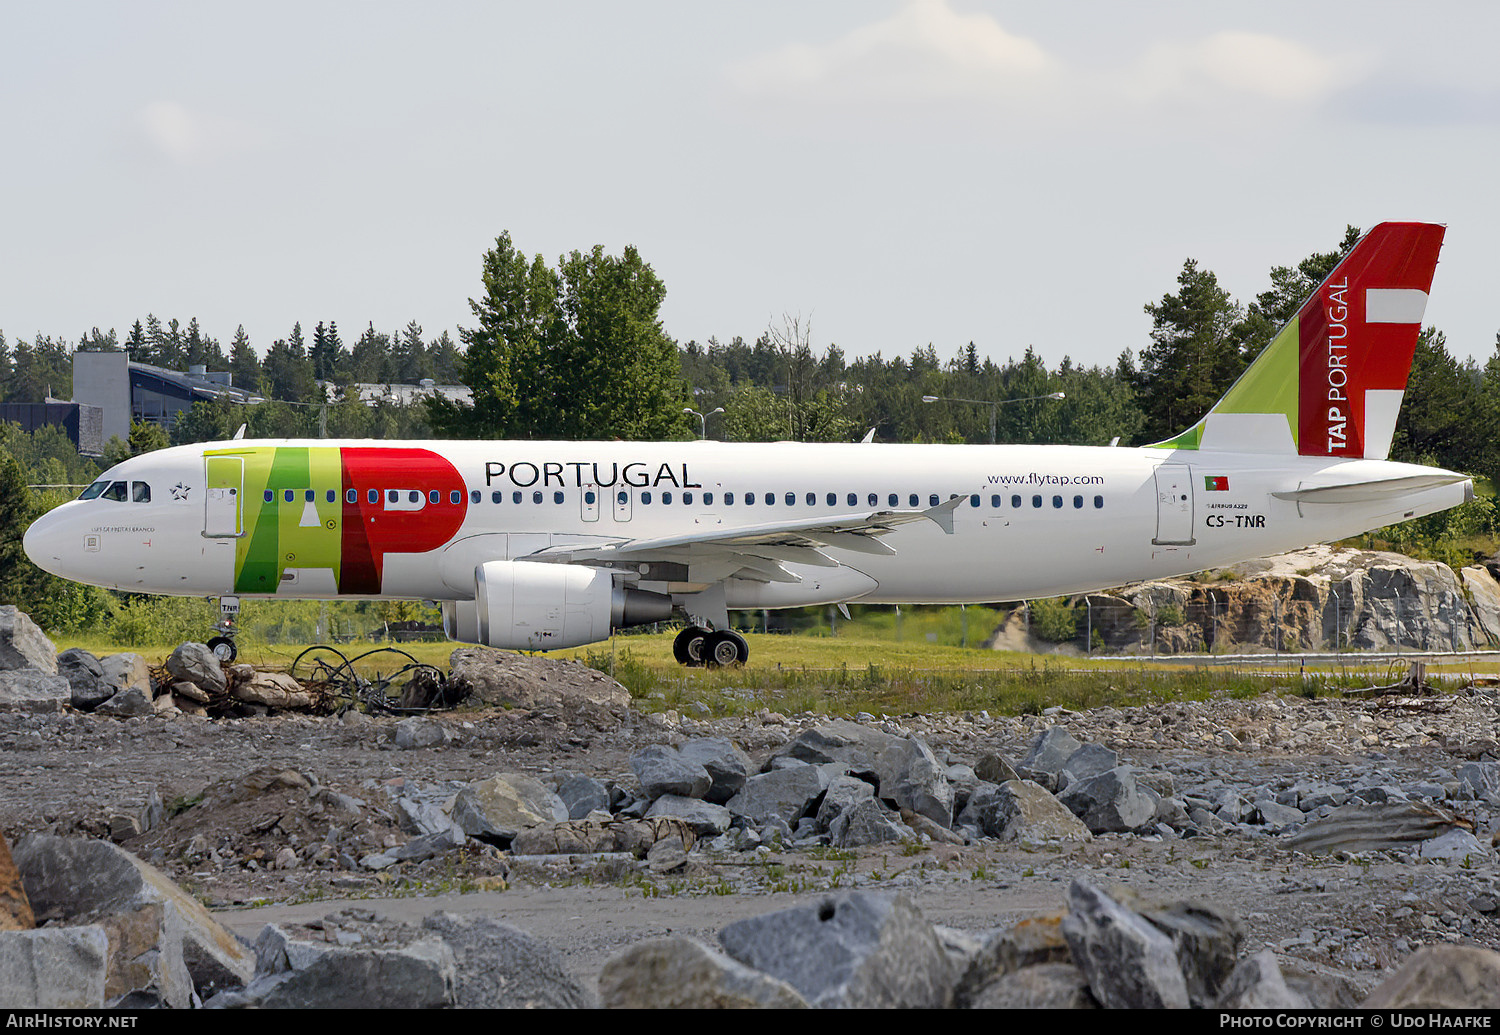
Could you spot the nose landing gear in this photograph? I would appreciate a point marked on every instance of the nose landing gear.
(222, 645)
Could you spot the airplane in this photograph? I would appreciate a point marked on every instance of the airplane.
(545, 545)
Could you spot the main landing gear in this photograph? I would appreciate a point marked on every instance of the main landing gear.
(696, 647)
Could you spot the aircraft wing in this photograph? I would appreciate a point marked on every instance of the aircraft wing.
(758, 552)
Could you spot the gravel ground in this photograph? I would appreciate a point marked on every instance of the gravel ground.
(246, 835)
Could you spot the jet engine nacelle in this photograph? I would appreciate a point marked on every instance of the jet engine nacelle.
(527, 605)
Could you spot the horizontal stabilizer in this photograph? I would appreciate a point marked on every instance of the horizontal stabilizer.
(1369, 491)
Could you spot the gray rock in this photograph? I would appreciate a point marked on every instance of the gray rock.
(1459, 847)
(783, 794)
(856, 746)
(1442, 977)
(868, 822)
(304, 975)
(679, 973)
(1129, 963)
(196, 664)
(1258, 984)
(727, 766)
(843, 792)
(416, 732)
(1022, 811)
(1045, 986)
(23, 645)
(913, 778)
(1048, 754)
(131, 702)
(706, 818)
(994, 768)
(582, 794)
(854, 950)
(495, 810)
(31, 690)
(73, 878)
(1278, 817)
(662, 769)
(1208, 941)
(85, 677)
(1086, 763)
(1111, 802)
(500, 967)
(126, 669)
(54, 968)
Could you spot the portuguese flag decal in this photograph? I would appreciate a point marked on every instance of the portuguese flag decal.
(1216, 483)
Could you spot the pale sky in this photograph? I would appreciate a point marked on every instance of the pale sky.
(895, 172)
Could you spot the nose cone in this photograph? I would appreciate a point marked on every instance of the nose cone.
(42, 543)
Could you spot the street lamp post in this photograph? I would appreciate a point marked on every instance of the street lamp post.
(993, 404)
(703, 418)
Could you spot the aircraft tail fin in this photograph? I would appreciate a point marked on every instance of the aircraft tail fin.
(1330, 383)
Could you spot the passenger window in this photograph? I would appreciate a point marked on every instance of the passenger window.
(1077, 502)
(853, 500)
(1098, 502)
(645, 497)
(874, 500)
(911, 501)
(352, 496)
(434, 497)
(269, 497)
(749, 499)
(515, 497)
(833, 499)
(892, 498)
(666, 497)
(116, 492)
(995, 502)
(687, 498)
(770, 499)
(1015, 501)
(308, 496)
(557, 497)
(474, 496)
(413, 496)
(536, 496)
(932, 501)
(708, 499)
(974, 501)
(622, 498)
(456, 497)
(812, 499)
(729, 499)
(373, 496)
(332, 496)
(589, 497)
(140, 492)
(290, 495)
(1057, 502)
(1036, 501)
(791, 499)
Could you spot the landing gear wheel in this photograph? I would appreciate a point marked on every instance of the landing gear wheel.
(725, 648)
(223, 648)
(688, 647)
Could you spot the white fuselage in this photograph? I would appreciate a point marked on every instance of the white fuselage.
(1036, 521)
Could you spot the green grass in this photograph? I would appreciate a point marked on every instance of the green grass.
(847, 674)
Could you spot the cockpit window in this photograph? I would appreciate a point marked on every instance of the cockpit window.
(116, 491)
(93, 490)
(140, 492)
